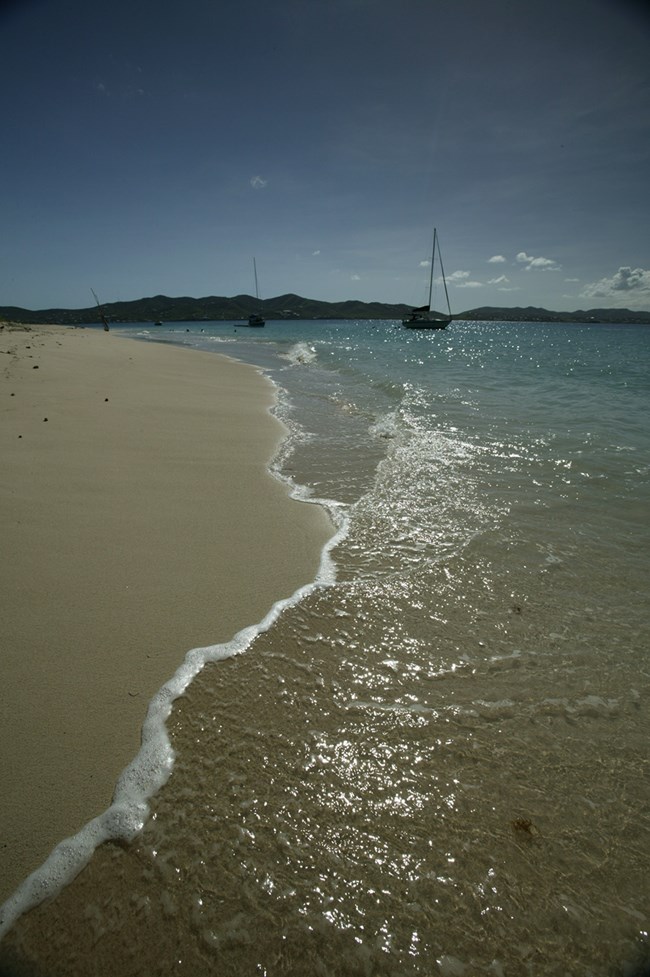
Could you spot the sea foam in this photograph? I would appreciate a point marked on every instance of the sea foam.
(300, 354)
(152, 766)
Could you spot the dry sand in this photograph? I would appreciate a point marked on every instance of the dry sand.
(138, 520)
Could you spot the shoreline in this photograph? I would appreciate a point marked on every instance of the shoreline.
(449, 739)
(140, 520)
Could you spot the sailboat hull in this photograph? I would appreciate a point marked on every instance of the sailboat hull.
(424, 323)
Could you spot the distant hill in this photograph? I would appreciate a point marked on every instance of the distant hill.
(488, 313)
(161, 308)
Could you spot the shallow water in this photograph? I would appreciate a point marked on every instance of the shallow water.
(436, 763)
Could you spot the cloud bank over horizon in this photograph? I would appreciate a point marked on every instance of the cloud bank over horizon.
(630, 282)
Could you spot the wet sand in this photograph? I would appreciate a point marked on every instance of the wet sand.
(138, 520)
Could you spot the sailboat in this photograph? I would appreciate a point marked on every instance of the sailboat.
(255, 319)
(423, 317)
(101, 311)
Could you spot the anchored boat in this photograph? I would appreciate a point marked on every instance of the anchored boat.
(424, 317)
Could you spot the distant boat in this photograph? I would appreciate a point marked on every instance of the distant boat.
(423, 317)
(101, 311)
(157, 323)
(255, 319)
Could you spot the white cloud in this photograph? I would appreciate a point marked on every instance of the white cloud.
(496, 259)
(258, 183)
(626, 281)
(459, 280)
(539, 264)
(425, 263)
(355, 278)
(501, 280)
(316, 252)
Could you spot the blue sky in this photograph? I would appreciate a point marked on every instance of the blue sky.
(157, 148)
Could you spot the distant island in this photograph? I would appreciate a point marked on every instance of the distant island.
(162, 309)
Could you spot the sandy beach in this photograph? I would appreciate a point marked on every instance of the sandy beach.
(138, 520)
(434, 759)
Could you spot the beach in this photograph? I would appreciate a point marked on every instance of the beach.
(430, 756)
(138, 520)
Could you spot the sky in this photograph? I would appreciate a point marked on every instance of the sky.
(157, 148)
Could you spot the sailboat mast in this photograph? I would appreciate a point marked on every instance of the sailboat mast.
(101, 311)
(433, 258)
(444, 280)
(257, 294)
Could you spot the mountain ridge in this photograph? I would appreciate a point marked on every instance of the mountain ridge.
(163, 308)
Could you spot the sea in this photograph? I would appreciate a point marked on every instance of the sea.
(433, 759)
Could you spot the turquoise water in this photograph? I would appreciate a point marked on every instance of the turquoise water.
(435, 761)
(468, 788)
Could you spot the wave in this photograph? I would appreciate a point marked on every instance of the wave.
(387, 426)
(300, 354)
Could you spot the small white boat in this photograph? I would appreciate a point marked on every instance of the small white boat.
(423, 317)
